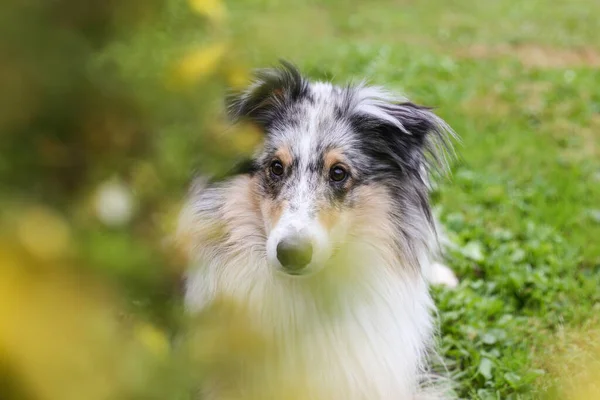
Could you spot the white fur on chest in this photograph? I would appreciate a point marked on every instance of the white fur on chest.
(362, 336)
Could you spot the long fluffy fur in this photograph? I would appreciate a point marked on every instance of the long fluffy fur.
(361, 327)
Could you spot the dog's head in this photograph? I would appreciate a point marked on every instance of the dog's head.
(338, 164)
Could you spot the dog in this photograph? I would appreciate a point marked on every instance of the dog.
(326, 241)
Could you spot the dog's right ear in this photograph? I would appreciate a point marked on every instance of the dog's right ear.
(271, 93)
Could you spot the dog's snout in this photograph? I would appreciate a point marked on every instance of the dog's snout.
(294, 253)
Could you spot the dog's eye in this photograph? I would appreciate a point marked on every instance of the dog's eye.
(337, 173)
(277, 168)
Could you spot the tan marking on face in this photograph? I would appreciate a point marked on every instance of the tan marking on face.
(371, 212)
(238, 219)
(284, 155)
(328, 217)
(241, 210)
(372, 223)
(333, 157)
(272, 210)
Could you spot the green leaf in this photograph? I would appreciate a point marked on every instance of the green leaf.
(489, 338)
(473, 251)
(485, 368)
(512, 378)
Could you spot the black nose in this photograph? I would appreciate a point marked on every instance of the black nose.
(294, 253)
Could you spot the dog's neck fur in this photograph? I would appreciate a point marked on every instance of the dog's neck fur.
(380, 323)
(361, 329)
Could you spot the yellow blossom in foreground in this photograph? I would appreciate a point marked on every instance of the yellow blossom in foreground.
(153, 339)
(60, 334)
(198, 64)
(245, 138)
(43, 233)
(238, 77)
(213, 9)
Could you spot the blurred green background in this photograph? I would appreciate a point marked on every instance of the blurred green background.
(108, 108)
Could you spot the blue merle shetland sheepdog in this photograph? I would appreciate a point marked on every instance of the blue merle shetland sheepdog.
(326, 240)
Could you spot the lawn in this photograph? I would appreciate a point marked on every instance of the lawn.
(518, 81)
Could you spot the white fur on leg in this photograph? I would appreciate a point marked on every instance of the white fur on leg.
(443, 275)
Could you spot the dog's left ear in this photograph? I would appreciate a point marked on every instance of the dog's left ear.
(407, 133)
(273, 90)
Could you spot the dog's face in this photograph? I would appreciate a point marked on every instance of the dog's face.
(337, 165)
(307, 178)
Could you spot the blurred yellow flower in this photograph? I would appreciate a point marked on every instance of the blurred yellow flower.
(153, 339)
(198, 64)
(60, 334)
(54, 332)
(238, 77)
(246, 138)
(213, 9)
(43, 233)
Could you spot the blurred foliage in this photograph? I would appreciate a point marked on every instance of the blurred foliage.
(100, 131)
(106, 107)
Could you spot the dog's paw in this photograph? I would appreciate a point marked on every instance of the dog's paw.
(443, 275)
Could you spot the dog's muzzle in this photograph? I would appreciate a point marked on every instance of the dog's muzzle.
(294, 253)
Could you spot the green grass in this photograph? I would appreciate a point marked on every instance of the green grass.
(520, 83)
